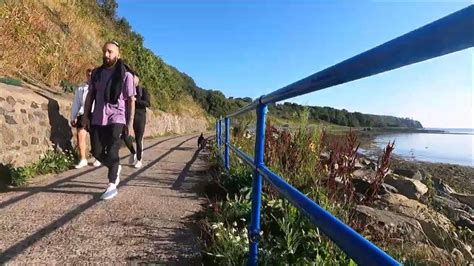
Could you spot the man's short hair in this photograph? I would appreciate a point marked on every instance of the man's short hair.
(114, 43)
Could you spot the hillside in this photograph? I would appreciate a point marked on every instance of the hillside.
(291, 111)
(50, 43)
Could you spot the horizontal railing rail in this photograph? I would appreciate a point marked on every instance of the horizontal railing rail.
(452, 33)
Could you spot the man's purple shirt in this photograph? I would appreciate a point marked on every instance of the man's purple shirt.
(107, 113)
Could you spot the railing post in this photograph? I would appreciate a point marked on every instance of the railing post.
(254, 231)
(227, 142)
(217, 130)
(219, 136)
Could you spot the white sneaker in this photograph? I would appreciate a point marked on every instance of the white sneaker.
(138, 164)
(96, 163)
(117, 180)
(81, 164)
(110, 192)
(132, 159)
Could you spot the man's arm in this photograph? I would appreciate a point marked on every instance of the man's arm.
(131, 114)
(129, 92)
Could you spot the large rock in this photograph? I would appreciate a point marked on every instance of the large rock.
(464, 220)
(361, 186)
(441, 187)
(406, 227)
(408, 187)
(465, 198)
(404, 172)
(435, 226)
(412, 208)
(386, 188)
(365, 174)
(454, 209)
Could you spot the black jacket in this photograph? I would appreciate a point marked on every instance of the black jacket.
(114, 87)
(142, 99)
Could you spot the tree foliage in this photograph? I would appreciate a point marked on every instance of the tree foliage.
(109, 7)
(341, 117)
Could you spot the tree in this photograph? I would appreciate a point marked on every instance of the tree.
(109, 7)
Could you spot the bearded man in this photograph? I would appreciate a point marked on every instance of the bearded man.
(113, 92)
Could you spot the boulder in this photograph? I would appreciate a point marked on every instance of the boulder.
(454, 210)
(412, 208)
(404, 172)
(364, 161)
(365, 174)
(406, 227)
(386, 188)
(408, 187)
(435, 226)
(361, 186)
(358, 165)
(465, 220)
(465, 198)
(441, 187)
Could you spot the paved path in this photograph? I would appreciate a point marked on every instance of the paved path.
(60, 219)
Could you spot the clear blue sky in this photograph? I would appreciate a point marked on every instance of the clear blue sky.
(249, 48)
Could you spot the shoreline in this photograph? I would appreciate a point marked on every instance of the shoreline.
(459, 177)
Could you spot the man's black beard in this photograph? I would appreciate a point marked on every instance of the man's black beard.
(105, 63)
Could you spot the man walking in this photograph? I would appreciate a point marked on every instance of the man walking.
(113, 94)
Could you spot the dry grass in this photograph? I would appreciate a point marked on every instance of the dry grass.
(47, 40)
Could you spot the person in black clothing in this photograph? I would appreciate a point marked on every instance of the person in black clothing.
(201, 142)
(142, 101)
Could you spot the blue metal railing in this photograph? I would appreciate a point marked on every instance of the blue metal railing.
(446, 35)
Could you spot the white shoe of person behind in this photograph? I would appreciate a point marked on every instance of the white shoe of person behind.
(110, 192)
(138, 164)
(96, 163)
(81, 164)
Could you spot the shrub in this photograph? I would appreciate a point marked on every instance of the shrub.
(50, 162)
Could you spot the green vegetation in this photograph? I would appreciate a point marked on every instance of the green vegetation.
(287, 236)
(51, 162)
(214, 102)
(341, 117)
(10, 81)
(316, 163)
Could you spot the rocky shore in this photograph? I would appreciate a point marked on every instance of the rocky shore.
(428, 207)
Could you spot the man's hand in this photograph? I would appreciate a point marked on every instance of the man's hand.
(86, 123)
